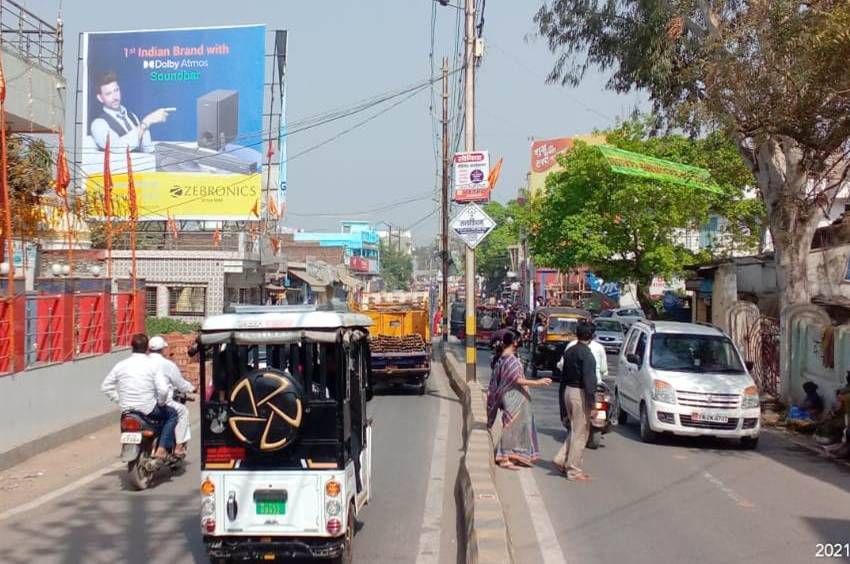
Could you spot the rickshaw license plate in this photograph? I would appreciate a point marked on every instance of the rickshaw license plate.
(271, 508)
(709, 417)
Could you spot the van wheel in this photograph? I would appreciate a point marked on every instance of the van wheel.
(647, 435)
(421, 388)
(749, 443)
(622, 416)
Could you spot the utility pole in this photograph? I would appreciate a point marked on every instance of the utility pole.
(469, 145)
(444, 231)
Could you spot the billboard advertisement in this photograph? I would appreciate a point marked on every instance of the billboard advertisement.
(188, 105)
(471, 177)
(544, 157)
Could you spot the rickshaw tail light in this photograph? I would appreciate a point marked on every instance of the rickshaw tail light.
(207, 487)
(334, 526)
(333, 488)
(209, 525)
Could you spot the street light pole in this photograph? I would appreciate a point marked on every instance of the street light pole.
(444, 231)
(469, 145)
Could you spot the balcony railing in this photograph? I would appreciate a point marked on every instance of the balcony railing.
(33, 38)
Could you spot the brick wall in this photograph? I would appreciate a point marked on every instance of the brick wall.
(178, 344)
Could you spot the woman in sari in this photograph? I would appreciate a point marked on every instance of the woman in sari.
(508, 392)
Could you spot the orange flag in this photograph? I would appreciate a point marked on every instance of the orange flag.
(216, 238)
(255, 210)
(63, 175)
(107, 182)
(170, 223)
(2, 84)
(131, 190)
(272, 207)
(493, 177)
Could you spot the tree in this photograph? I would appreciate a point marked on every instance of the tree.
(396, 267)
(30, 175)
(630, 229)
(771, 74)
(492, 255)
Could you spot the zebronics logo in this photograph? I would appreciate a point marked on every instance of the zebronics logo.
(202, 191)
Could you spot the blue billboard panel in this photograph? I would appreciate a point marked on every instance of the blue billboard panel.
(188, 103)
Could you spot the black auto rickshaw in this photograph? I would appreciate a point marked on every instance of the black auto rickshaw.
(551, 329)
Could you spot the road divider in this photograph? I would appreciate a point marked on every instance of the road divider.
(484, 526)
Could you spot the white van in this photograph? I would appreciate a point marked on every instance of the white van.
(686, 379)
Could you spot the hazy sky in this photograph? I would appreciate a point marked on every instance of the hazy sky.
(341, 52)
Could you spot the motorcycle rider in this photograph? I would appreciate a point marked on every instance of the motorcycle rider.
(157, 348)
(137, 384)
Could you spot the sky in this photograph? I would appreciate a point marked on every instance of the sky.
(344, 51)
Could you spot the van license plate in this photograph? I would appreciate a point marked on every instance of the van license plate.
(709, 417)
(131, 438)
(271, 508)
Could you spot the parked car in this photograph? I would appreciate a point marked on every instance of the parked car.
(625, 315)
(609, 334)
(686, 379)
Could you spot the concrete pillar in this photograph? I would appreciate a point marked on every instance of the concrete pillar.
(724, 294)
(162, 301)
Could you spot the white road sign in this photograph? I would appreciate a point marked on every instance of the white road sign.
(472, 225)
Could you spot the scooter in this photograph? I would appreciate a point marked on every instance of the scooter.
(139, 440)
(601, 424)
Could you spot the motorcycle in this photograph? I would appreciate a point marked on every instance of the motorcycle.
(139, 440)
(601, 424)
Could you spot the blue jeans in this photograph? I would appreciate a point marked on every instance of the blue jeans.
(167, 419)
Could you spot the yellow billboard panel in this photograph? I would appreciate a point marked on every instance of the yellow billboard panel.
(544, 157)
(180, 195)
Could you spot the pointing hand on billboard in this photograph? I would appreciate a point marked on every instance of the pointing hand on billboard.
(157, 116)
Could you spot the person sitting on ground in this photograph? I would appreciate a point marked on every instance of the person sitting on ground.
(138, 384)
(813, 402)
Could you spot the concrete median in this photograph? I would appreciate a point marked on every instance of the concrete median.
(485, 529)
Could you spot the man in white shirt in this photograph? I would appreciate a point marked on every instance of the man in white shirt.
(137, 384)
(157, 347)
(121, 126)
(598, 353)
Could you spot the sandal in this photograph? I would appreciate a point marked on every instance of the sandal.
(509, 466)
(580, 478)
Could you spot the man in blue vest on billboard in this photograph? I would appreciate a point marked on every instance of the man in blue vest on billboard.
(123, 127)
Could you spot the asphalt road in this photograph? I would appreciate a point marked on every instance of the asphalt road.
(681, 500)
(411, 517)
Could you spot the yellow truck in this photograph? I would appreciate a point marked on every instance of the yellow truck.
(400, 342)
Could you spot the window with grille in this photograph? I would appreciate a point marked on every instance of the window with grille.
(150, 301)
(187, 301)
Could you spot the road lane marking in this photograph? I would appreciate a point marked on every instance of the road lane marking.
(730, 493)
(429, 540)
(84, 481)
(547, 540)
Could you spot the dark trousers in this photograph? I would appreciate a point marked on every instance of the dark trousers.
(167, 419)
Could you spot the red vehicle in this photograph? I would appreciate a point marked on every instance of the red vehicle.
(489, 319)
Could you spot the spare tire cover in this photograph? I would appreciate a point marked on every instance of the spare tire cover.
(266, 409)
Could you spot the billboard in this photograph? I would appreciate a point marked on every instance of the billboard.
(544, 157)
(188, 104)
(471, 176)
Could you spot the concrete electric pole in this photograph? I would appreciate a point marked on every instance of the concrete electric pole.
(469, 145)
(444, 231)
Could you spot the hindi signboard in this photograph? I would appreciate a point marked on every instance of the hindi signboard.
(471, 172)
(188, 104)
(652, 168)
(472, 225)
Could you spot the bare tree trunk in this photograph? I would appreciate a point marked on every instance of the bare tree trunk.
(784, 181)
(647, 304)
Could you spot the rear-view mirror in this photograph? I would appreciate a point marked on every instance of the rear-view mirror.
(632, 358)
(750, 365)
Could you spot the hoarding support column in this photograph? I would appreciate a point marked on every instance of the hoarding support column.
(469, 143)
(444, 230)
